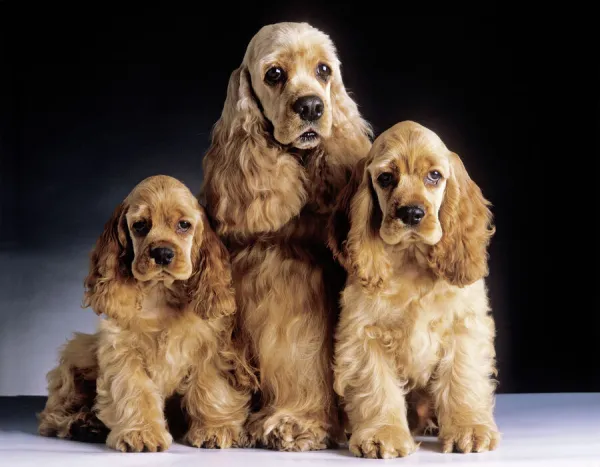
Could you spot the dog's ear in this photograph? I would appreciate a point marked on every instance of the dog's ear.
(210, 288)
(110, 263)
(353, 230)
(240, 110)
(338, 225)
(346, 115)
(461, 255)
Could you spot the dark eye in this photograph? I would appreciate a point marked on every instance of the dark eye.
(385, 179)
(434, 177)
(323, 71)
(183, 226)
(140, 227)
(274, 75)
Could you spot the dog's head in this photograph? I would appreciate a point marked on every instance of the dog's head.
(293, 68)
(160, 233)
(290, 76)
(161, 218)
(411, 190)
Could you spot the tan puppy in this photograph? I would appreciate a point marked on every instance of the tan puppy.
(161, 277)
(412, 229)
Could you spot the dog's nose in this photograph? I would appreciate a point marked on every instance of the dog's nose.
(162, 256)
(410, 215)
(310, 108)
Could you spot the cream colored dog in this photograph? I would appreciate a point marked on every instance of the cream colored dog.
(412, 229)
(284, 146)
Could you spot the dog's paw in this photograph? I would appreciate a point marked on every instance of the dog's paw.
(147, 440)
(88, 428)
(386, 443)
(472, 438)
(220, 437)
(285, 433)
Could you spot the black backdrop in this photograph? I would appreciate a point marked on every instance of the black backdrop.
(93, 101)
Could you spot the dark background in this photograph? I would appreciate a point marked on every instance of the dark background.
(94, 101)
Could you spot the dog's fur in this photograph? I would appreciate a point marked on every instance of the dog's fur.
(270, 193)
(415, 313)
(167, 331)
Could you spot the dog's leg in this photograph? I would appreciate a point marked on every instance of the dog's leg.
(128, 401)
(71, 394)
(285, 313)
(374, 397)
(464, 391)
(216, 409)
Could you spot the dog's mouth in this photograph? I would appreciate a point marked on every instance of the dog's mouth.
(308, 139)
(148, 270)
(309, 136)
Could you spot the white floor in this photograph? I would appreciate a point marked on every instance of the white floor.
(544, 430)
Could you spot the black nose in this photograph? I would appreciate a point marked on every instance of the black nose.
(162, 256)
(410, 215)
(310, 108)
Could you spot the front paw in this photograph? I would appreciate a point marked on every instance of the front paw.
(471, 438)
(144, 440)
(386, 443)
(220, 437)
(286, 433)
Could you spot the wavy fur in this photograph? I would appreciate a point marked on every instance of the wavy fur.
(270, 194)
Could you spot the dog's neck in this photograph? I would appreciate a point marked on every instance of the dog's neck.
(409, 255)
(160, 300)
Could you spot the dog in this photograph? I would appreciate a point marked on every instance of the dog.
(284, 146)
(162, 280)
(412, 229)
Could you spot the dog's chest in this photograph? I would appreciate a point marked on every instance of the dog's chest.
(172, 353)
(171, 342)
(419, 326)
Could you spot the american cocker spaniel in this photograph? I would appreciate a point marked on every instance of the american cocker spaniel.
(161, 277)
(412, 229)
(285, 144)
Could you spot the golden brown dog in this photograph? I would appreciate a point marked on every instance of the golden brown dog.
(285, 144)
(412, 228)
(161, 277)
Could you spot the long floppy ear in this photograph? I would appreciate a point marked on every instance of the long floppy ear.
(247, 187)
(346, 115)
(461, 255)
(110, 262)
(338, 225)
(353, 231)
(210, 289)
(240, 109)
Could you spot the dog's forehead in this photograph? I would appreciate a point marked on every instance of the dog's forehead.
(409, 147)
(292, 43)
(163, 203)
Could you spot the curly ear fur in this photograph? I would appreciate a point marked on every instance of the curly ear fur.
(247, 186)
(338, 224)
(353, 231)
(461, 256)
(210, 289)
(110, 263)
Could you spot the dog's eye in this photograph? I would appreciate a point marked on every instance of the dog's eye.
(385, 179)
(434, 177)
(140, 227)
(323, 71)
(183, 226)
(274, 75)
